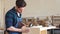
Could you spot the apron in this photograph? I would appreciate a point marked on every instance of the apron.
(19, 20)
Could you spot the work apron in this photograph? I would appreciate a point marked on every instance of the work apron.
(19, 20)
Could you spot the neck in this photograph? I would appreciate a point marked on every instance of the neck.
(16, 9)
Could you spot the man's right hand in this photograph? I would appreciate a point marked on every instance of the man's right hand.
(25, 29)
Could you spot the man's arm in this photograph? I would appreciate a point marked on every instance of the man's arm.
(14, 29)
(23, 29)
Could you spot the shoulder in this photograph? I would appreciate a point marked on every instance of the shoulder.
(11, 12)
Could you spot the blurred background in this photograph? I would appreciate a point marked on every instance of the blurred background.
(39, 10)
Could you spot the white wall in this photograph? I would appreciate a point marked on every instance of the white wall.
(9, 4)
(1, 14)
(40, 8)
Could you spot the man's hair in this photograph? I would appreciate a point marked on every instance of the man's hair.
(20, 3)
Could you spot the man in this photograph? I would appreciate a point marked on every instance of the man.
(13, 18)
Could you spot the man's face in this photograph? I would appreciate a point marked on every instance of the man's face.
(20, 9)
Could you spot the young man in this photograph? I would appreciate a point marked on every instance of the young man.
(13, 18)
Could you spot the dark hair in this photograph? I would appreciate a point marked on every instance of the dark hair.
(20, 3)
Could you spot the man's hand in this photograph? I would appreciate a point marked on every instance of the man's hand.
(25, 29)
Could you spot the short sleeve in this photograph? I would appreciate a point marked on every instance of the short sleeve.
(8, 20)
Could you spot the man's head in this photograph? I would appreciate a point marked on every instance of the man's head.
(20, 4)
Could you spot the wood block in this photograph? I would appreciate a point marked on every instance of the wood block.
(36, 31)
